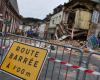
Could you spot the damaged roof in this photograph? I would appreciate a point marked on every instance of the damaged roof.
(90, 3)
(14, 5)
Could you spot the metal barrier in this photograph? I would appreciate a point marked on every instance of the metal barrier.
(63, 62)
(92, 62)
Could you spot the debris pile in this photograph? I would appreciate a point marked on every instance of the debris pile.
(75, 43)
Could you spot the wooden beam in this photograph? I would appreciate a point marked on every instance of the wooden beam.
(70, 7)
(75, 30)
(79, 34)
(68, 32)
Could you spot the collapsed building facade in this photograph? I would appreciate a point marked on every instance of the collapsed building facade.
(76, 19)
(55, 20)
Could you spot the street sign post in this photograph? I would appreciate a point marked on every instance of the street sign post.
(24, 61)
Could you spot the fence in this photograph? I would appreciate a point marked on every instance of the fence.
(63, 62)
(93, 62)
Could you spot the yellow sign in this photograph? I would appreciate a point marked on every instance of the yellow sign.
(24, 61)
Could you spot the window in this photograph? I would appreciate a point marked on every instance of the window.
(53, 21)
(60, 16)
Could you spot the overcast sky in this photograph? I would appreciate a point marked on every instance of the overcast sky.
(38, 8)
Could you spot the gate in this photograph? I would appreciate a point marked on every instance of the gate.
(63, 62)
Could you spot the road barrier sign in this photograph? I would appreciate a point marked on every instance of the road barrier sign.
(63, 62)
(24, 61)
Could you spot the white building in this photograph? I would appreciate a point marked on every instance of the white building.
(55, 19)
(26, 28)
(42, 30)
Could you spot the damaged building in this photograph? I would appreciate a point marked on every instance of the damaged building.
(78, 16)
(55, 20)
(76, 20)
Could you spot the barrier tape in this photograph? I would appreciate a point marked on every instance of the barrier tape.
(74, 66)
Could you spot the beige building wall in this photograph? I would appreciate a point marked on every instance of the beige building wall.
(56, 19)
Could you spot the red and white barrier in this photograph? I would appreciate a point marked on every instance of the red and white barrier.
(74, 66)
